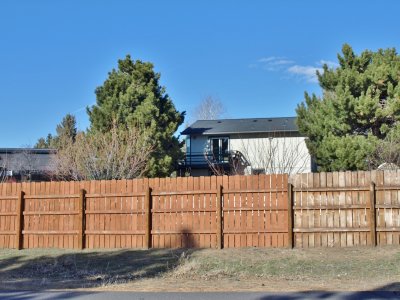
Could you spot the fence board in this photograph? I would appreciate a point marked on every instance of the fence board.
(129, 219)
(8, 217)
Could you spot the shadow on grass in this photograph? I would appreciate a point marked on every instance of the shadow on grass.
(28, 270)
(86, 269)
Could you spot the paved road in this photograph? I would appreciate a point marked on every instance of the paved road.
(198, 296)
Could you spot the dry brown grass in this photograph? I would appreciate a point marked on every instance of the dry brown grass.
(203, 270)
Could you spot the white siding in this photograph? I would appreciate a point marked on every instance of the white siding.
(274, 155)
(262, 153)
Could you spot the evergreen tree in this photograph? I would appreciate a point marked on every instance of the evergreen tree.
(44, 143)
(132, 95)
(360, 106)
(67, 128)
(66, 131)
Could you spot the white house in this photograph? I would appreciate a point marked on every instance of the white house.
(245, 146)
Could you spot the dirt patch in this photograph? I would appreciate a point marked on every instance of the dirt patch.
(203, 270)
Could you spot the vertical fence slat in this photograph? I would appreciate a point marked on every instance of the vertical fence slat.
(147, 241)
(290, 214)
(372, 199)
(20, 220)
(81, 219)
(219, 218)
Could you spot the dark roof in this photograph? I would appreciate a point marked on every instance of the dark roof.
(18, 159)
(232, 126)
(30, 150)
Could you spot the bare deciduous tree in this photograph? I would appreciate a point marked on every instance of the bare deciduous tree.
(276, 155)
(387, 152)
(3, 170)
(120, 154)
(210, 108)
(234, 163)
(26, 162)
(23, 163)
(215, 166)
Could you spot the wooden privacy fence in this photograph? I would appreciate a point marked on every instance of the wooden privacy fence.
(346, 208)
(206, 212)
(312, 210)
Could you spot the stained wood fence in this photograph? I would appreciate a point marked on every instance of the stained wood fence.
(206, 212)
(307, 210)
(342, 209)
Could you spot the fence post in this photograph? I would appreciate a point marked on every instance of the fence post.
(82, 219)
(290, 215)
(148, 225)
(219, 218)
(20, 220)
(372, 198)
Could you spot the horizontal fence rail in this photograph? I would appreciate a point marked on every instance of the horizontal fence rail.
(338, 209)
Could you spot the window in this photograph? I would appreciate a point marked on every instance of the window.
(188, 140)
(219, 148)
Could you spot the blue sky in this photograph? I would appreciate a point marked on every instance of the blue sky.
(257, 57)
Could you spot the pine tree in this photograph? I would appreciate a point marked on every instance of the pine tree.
(132, 95)
(66, 130)
(44, 143)
(360, 106)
